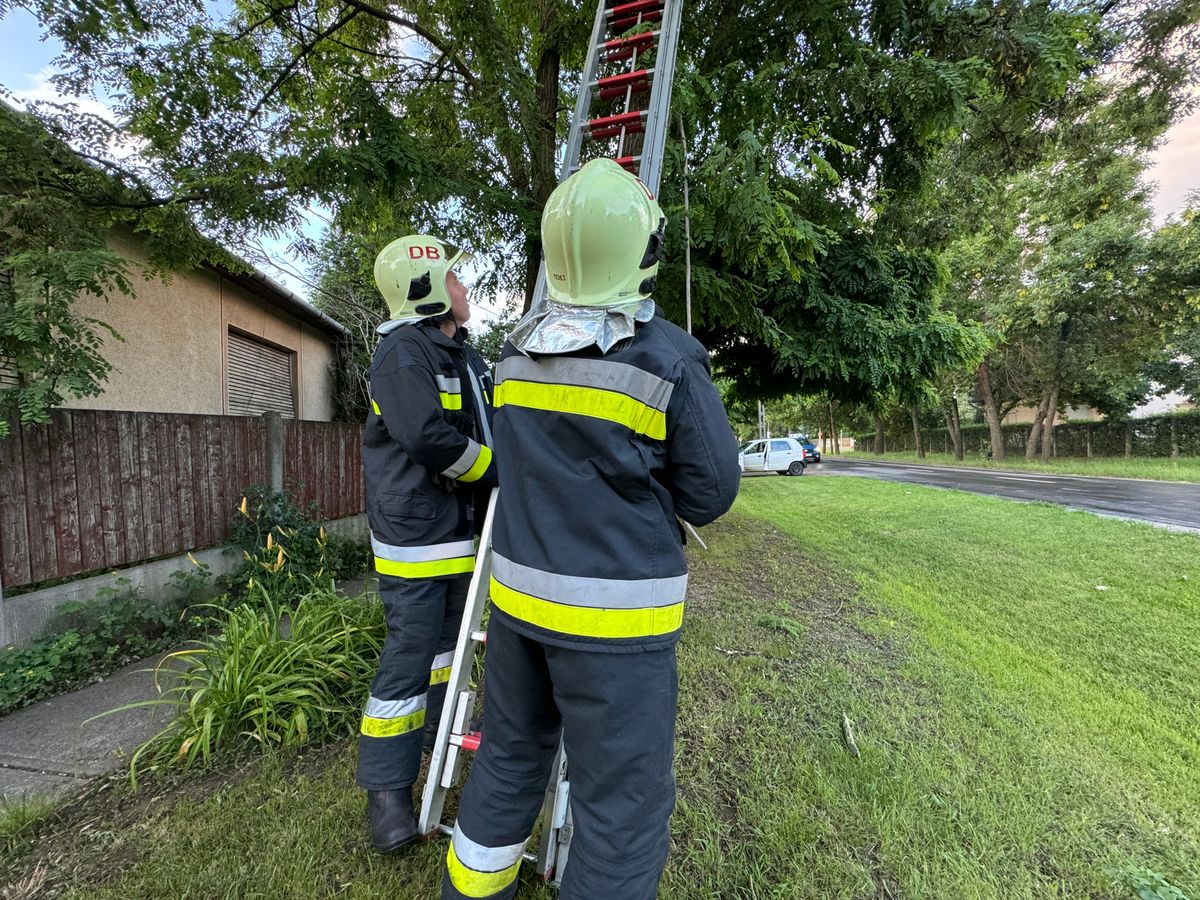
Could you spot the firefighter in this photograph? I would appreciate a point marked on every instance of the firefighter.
(428, 462)
(608, 430)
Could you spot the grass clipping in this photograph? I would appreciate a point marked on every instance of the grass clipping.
(272, 675)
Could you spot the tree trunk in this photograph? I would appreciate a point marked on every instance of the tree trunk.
(915, 412)
(1087, 437)
(1035, 431)
(1129, 440)
(1174, 441)
(953, 426)
(1048, 431)
(543, 177)
(879, 449)
(990, 411)
(833, 432)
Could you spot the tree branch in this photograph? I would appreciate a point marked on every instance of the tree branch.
(306, 49)
(416, 29)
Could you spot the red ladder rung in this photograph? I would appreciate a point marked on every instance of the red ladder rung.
(633, 41)
(625, 24)
(632, 9)
(471, 741)
(606, 133)
(629, 163)
(626, 119)
(625, 79)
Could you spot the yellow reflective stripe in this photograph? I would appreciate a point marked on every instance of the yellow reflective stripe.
(478, 884)
(584, 401)
(586, 621)
(439, 676)
(450, 401)
(482, 461)
(380, 728)
(375, 406)
(456, 566)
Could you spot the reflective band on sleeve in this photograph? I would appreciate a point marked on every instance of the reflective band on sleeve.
(581, 401)
(450, 401)
(439, 670)
(587, 621)
(479, 466)
(375, 406)
(462, 465)
(448, 385)
(479, 871)
(453, 558)
(388, 718)
(576, 590)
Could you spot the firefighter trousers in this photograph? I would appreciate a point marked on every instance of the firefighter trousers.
(423, 617)
(616, 715)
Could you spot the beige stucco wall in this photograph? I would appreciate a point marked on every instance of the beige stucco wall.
(172, 358)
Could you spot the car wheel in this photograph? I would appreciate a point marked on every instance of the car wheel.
(796, 468)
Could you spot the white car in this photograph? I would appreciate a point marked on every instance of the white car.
(782, 455)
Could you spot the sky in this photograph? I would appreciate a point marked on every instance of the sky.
(26, 65)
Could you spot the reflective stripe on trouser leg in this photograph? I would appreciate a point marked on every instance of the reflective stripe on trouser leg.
(389, 744)
(504, 790)
(439, 669)
(618, 714)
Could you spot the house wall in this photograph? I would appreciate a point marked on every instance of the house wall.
(172, 358)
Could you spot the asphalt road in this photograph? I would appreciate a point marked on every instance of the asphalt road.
(1166, 503)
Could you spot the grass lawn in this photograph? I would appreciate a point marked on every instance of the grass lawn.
(1184, 469)
(1021, 732)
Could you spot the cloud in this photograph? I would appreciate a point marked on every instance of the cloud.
(1176, 167)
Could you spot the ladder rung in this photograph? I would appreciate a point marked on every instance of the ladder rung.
(634, 40)
(630, 163)
(469, 741)
(606, 133)
(480, 637)
(635, 117)
(639, 80)
(632, 9)
(616, 26)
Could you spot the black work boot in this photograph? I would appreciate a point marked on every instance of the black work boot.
(393, 823)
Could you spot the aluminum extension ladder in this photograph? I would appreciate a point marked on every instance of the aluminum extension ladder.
(624, 35)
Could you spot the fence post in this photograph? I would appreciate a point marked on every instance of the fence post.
(275, 442)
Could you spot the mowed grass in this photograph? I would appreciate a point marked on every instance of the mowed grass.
(1185, 468)
(1019, 732)
(1064, 649)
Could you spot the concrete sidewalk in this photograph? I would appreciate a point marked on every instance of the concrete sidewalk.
(50, 748)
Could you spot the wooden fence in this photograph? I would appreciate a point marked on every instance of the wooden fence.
(93, 490)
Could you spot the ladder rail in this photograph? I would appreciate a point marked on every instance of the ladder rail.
(659, 110)
(444, 753)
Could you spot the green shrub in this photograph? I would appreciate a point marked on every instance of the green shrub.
(89, 639)
(284, 545)
(269, 675)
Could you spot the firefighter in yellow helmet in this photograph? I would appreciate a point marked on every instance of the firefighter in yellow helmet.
(608, 428)
(428, 463)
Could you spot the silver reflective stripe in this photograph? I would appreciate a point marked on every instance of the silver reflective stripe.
(442, 660)
(463, 464)
(598, 593)
(393, 709)
(625, 379)
(429, 553)
(484, 859)
(449, 385)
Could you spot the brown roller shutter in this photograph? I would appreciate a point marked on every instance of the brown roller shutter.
(261, 378)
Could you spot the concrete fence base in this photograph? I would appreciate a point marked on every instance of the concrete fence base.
(23, 617)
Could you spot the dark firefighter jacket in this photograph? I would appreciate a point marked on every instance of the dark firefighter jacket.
(426, 452)
(598, 455)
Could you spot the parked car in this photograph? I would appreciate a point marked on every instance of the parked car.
(811, 452)
(782, 455)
